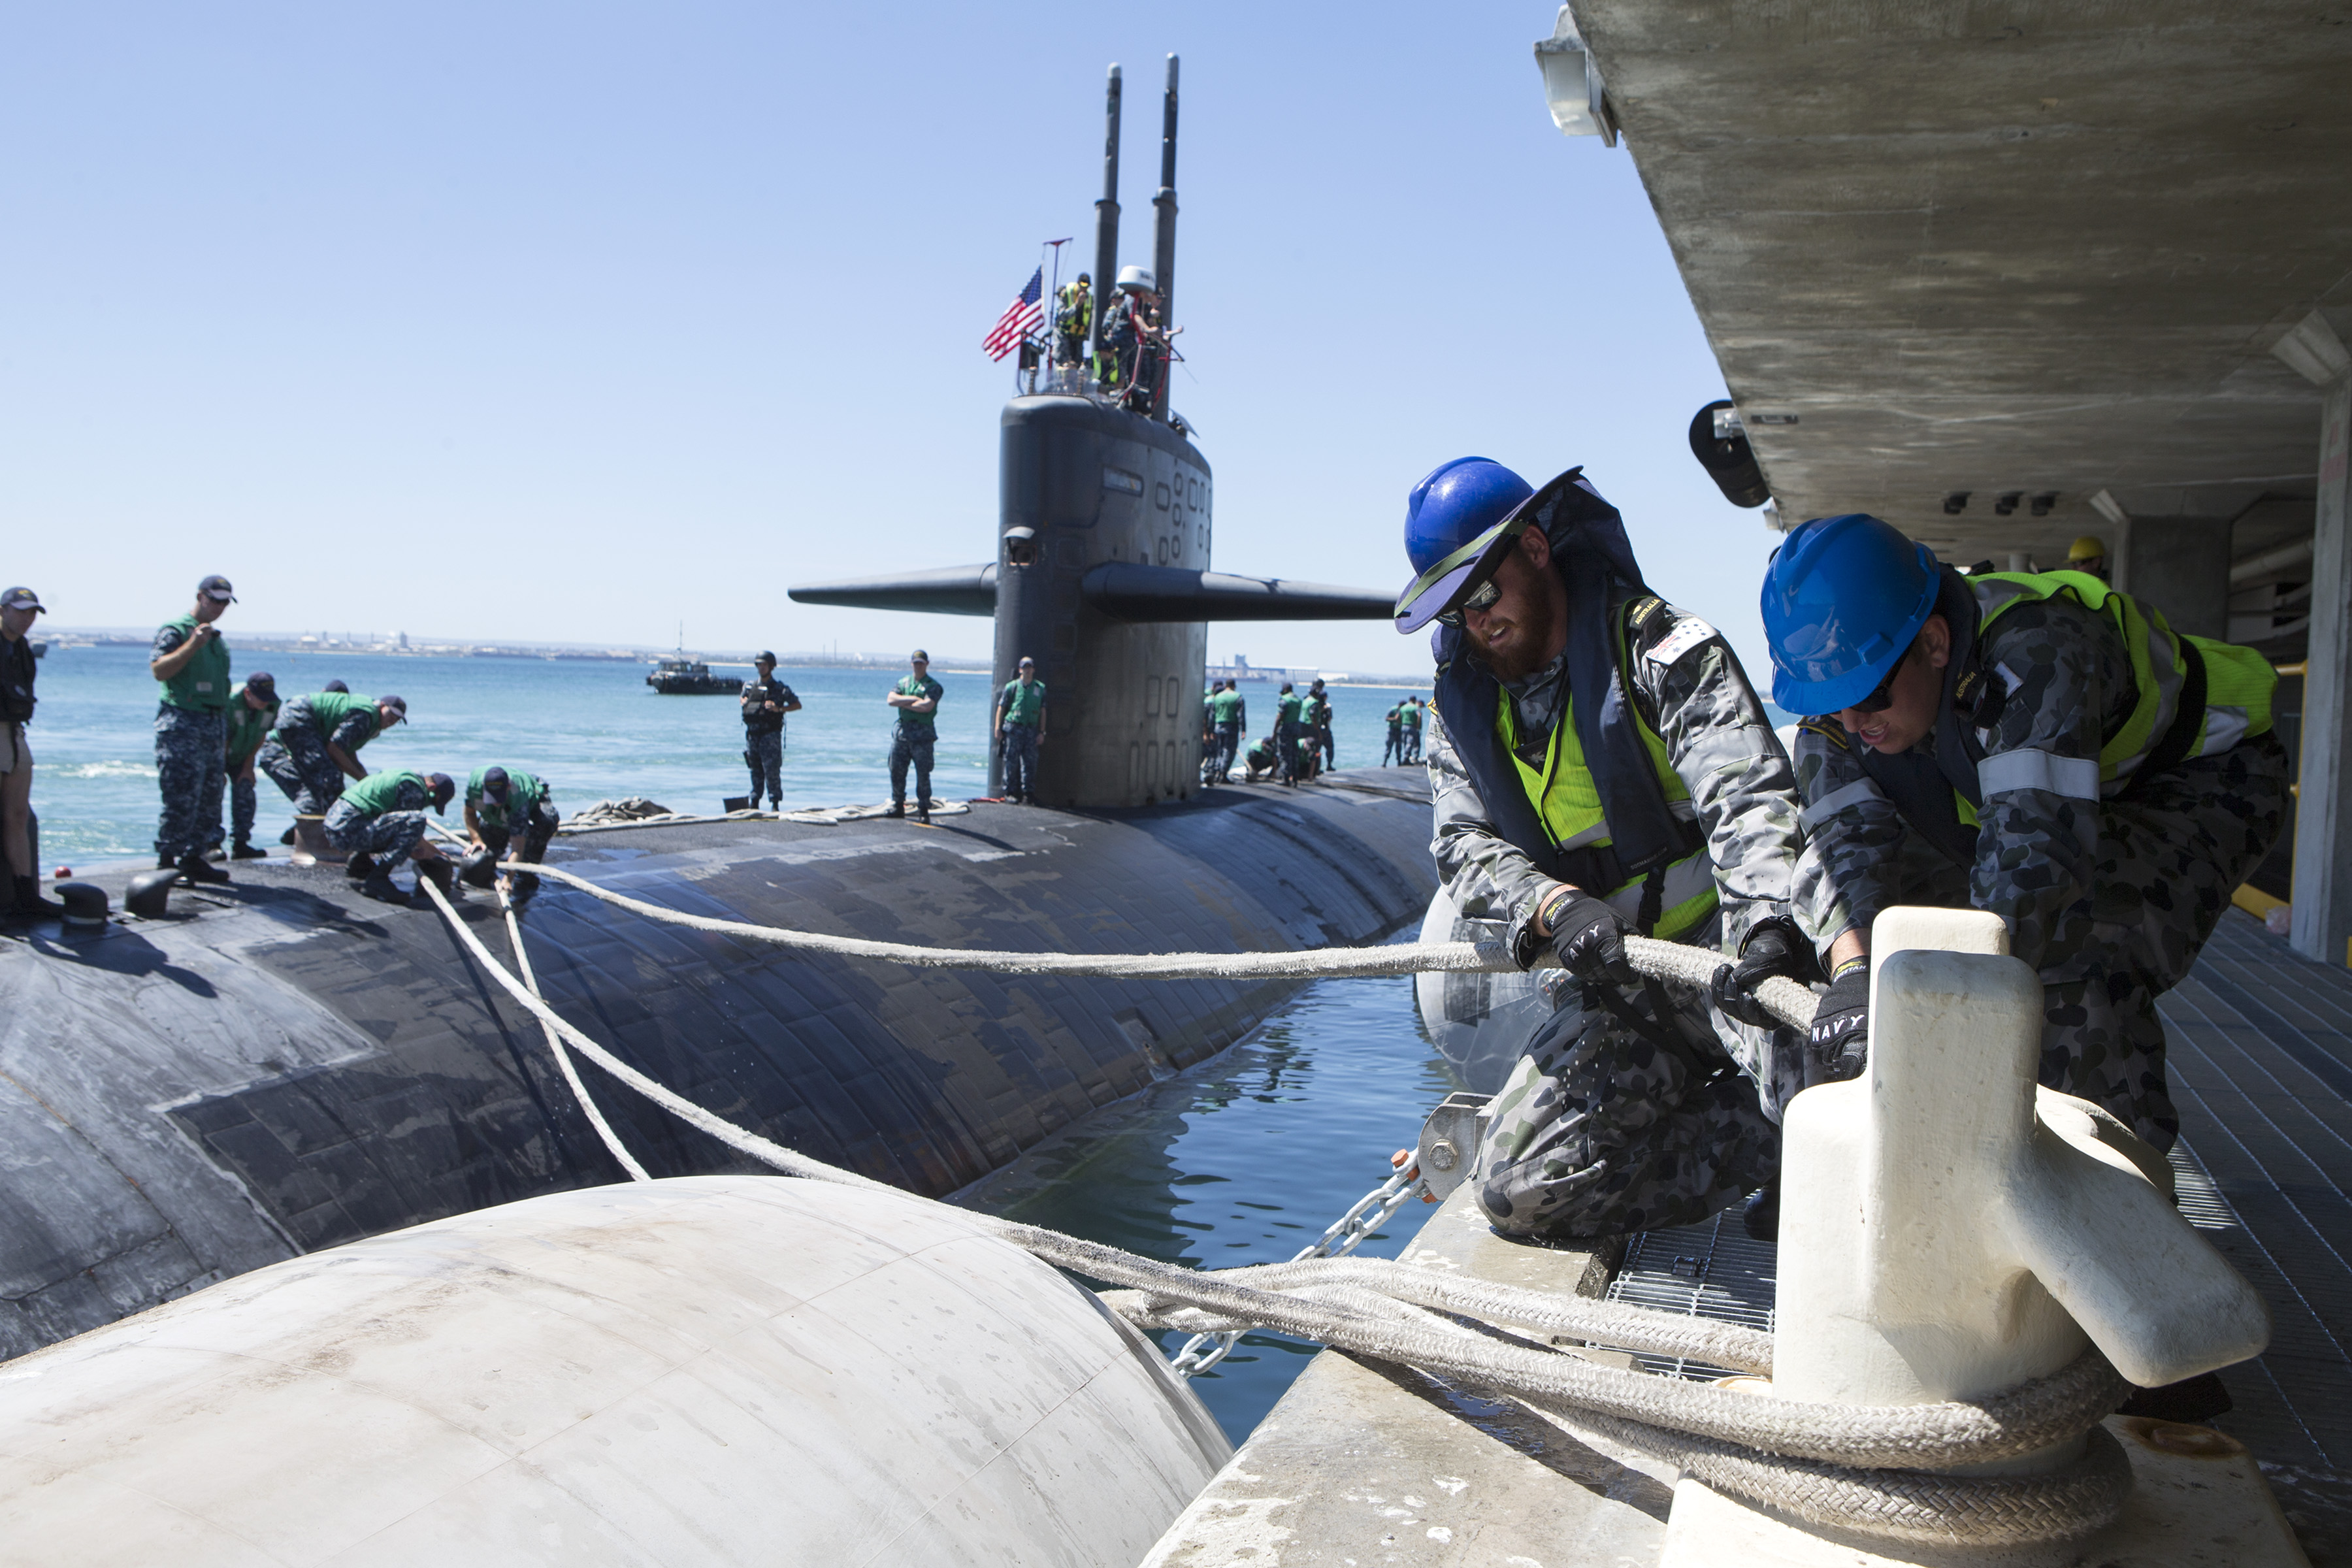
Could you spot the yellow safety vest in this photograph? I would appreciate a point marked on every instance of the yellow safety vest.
(2239, 682)
(1569, 804)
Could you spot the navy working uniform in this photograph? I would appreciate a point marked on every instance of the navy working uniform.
(2101, 782)
(1637, 768)
(1020, 712)
(192, 738)
(911, 740)
(509, 814)
(251, 716)
(381, 820)
(1318, 720)
(763, 731)
(1230, 714)
(296, 757)
(1287, 731)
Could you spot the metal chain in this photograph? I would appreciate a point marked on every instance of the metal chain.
(1349, 1232)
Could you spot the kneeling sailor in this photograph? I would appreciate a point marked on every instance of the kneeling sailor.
(2036, 745)
(1602, 766)
(509, 816)
(381, 820)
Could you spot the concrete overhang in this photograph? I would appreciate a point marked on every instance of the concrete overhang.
(2004, 249)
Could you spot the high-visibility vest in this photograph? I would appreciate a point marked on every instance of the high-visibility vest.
(1568, 803)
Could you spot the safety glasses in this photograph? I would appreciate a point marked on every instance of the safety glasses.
(1479, 598)
(1882, 694)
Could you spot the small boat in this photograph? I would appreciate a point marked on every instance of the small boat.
(685, 677)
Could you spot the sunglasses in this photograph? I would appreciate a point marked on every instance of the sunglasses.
(1882, 694)
(1481, 597)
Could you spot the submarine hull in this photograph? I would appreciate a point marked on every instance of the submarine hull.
(281, 1066)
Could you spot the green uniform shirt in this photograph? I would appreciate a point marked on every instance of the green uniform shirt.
(524, 791)
(1227, 707)
(380, 792)
(919, 726)
(1288, 711)
(203, 685)
(1023, 704)
(329, 709)
(248, 727)
(1411, 716)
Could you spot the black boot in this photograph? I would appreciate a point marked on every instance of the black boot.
(380, 886)
(360, 867)
(196, 868)
(245, 851)
(898, 808)
(923, 814)
(30, 905)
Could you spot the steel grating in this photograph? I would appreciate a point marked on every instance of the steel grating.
(1713, 1269)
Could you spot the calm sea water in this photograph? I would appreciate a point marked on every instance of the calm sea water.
(1246, 1159)
(594, 730)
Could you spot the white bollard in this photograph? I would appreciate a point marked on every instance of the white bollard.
(1948, 1230)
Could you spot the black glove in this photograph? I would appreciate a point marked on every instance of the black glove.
(1840, 1038)
(1774, 946)
(1589, 939)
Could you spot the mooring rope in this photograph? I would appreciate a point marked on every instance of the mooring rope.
(1858, 1468)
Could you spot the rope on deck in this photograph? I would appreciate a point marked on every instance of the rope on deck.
(1856, 1467)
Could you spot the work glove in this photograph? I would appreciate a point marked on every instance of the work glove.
(1589, 939)
(1838, 1044)
(1774, 946)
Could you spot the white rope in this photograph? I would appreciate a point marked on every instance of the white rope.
(1848, 1467)
(613, 1143)
(1670, 961)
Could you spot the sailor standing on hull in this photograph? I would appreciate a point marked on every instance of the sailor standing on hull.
(1601, 765)
(766, 700)
(916, 699)
(190, 664)
(2035, 745)
(251, 717)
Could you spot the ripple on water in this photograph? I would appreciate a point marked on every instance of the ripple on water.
(1246, 1160)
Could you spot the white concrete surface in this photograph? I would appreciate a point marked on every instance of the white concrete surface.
(713, 1370)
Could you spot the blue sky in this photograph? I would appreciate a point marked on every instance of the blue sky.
(574, 321)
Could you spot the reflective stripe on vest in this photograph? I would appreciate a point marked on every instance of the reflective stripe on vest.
(2238, 683)
(1568, 803)
(202, 686)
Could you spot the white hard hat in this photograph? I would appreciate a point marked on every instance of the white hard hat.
(1137, 277)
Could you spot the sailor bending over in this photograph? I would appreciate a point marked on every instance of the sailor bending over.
(381, 820)
(1601, 765)
(2036, 745)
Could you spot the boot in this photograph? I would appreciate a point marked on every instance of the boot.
(440, 874)
(898, 808)
(923, 815)
(360, 867)
(196, 868)
(216, 855)
(380, 886)
(245, 851)
(30, 905)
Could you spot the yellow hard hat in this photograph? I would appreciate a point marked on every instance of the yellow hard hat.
(2090, 547)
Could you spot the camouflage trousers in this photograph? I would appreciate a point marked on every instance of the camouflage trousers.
(765, 755)
(1021, 760)
(1228, 745)
(1613, 1123)
(904, 749)
(192, 768)
(2170, 858)
(296, 761)
(391, 838)
(243, 806)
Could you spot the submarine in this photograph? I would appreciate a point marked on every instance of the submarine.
(201, 1083)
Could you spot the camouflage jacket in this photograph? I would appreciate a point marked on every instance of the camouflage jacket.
(2070, 684)
(1690, 686)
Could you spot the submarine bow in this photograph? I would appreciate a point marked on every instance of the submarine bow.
(1129, 591)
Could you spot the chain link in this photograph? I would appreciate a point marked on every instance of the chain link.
(1347, 1232)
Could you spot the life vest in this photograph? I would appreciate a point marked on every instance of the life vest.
(202, 686)
(2194, 697)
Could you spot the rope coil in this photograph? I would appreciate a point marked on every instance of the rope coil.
(1858, 1468)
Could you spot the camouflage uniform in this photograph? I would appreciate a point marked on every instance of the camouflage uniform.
(2112, 899)
(763, 737)
(1600, 1128)
(295, 756)
(192, 767)
(392, 836)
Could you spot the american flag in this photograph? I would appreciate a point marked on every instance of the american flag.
(1019, 318)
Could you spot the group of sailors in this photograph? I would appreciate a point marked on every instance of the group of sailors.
(1131, 346)
(215, 736)
(2033, 744)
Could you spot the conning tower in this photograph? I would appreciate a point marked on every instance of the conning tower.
(1101, 570)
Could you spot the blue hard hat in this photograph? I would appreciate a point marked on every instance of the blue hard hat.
(1843, 597)
(1458, 523)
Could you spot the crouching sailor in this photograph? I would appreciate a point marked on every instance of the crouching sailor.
(2036, 745)
(381, 820)
(509, 816)
(316, 745)
(1602, 766)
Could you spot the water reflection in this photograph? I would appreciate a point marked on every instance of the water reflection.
(1246, 1159)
